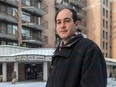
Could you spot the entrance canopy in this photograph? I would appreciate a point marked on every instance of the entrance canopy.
(35, 55)
(39, 51)
(28, 55)
(110, 61)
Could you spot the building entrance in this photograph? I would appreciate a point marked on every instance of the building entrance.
(34, 71)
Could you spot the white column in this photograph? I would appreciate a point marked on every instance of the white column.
(108, 71)
(16, 69)
(4, 71)
(45, 71)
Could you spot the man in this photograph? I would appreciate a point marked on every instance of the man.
(13, 77)
(77, 61)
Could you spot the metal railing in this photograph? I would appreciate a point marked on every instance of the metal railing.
(43, 6)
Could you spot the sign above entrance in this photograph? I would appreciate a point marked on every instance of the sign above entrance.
(29, 58)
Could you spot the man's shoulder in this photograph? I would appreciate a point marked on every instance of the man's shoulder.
(87, 41)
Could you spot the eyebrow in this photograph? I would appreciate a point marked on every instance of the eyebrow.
(64, 19)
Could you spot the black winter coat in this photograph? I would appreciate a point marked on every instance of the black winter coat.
(79, 63)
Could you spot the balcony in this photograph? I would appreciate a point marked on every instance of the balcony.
(42, 26)
(8, 18)
(81, 16)
(34, 9)
(11, 2)
(82, 26)
(60, 5)
(78, 3)
(32, 41)
(8, 36)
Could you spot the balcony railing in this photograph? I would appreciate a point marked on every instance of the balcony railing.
(82, 25)
(42, 10)
(8, 36)
(11, 2)
(8, 18)
(30, 39)
(42, 26)
(79, 3)
(61, 4)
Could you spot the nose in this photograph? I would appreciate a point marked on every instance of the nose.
(63, 25)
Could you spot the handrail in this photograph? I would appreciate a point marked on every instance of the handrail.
(42, 6)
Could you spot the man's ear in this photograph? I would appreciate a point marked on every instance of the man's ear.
(76, 24)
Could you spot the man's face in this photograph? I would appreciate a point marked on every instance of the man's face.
(64, 25)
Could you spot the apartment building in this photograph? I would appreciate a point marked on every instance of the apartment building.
(113, 34)
(27, 15)
(99, 25)
(34, 19)
(22, 24)
(30, 23)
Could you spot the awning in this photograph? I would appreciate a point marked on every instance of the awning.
(37, 51)
(110, 61)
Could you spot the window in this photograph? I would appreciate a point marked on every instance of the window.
(107, 13)
(106, 46)
(107, 3)
(2, 8)
(106, 24)
(9, 43)
(39, 20)
(10, 29)
(26, 2)
(9, 11)
(34, 19)
(15, 28)
(25, 17)
(26, 32)
(58, 40)
(14, 11)
(3, 42)
(106, 54)
(103, 23)
(106, 35)
(103, 33)
(2, 28)
(34, 3)
(103, 11)
(103, 44)
(36, 35)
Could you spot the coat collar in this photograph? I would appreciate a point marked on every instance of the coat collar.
(67, 48)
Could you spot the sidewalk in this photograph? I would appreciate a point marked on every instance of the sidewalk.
(111, 83)
(23, 84)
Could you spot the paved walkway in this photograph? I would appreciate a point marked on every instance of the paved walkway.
(111, 83)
